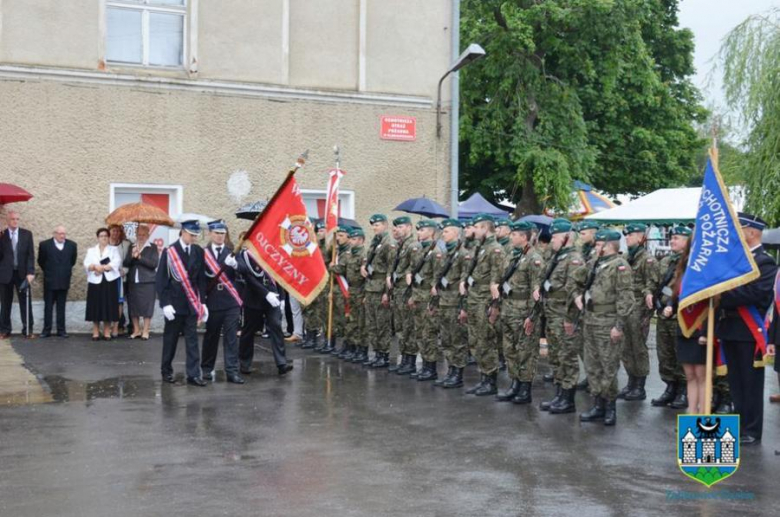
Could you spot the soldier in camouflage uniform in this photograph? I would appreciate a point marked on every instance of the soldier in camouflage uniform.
(481, 285)
(635, 358)
(447, 269)
(469, 253)
(587, 241)
(606, 307)
(560, 313)
(313, 312)
(340, 301)
(503, 229)
(379, 260)
(524, 272)
(357, 350)
(419, 279)
(403, 322)
(662, 283)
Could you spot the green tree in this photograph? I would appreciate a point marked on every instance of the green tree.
(595, 90)
(751, 77)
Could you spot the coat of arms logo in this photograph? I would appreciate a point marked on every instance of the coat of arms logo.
(708, 446)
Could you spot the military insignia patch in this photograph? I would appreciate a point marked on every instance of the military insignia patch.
(296, 234)
(708, 447)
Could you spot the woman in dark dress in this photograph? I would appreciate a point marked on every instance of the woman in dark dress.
(142, 266)
(103, 266)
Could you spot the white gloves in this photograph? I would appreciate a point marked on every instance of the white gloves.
(273, 299)
(169, 312)
(230, 261)
(205, 317)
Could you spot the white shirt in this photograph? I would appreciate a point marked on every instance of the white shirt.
(60, 245)
(184, 246)
(94, 257)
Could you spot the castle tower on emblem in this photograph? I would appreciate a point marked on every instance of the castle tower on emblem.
(727, 447)
(689, 447)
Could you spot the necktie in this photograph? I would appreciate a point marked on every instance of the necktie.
(14, 242)
(187, 250)
(219, 251)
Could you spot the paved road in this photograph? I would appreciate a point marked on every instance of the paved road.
(334, 439)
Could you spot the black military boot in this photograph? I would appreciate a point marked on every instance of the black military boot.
(681, 396)
(349, 353)
(410, 365)
(357, 357)
(416, 373)
(331, 346)
(565, 404)
(627, 388)
(370, 360)
(523, 394)
(582, 385)
(482, 380)
(724, 406)
(383, 361)
(501, 361)
(638, 392)
(308, 340)
(548, 377)
(610, 414)
(438, 382)
(398, 365)
(456, 381)
(509, 394)
(470, 360)
(666, 397)
(545, 406)
(430, 373)
(597, 412)
(321, 343)
(490, 387)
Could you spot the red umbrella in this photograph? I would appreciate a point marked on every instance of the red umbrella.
(13, 194)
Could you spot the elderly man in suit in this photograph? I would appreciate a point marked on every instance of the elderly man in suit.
(17, 272)
(56, 256)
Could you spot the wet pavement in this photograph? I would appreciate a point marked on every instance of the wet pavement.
(334, 439)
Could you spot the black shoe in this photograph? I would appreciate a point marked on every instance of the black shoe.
(309, 340)
(331, 346)
(438, 382)
(245, 370)
(582, 385)
(168, 377)
(196, 381)
(524, 394)
(456, 381)
(63, 335)
(207, 376)
(548, 377)
(368, 361)
(545, 406)
(234, 378)
(383, 361)
(725, 407)
(410, 367)
(490, 387)
(610, 414)
(597, 412)
(283, 370)
(361, 355)
(44, 334)
(511, 393)
(666, 397)
(429, 373)
(638, 391)
(482, 380)
(399, 364)
(565, 404)
(627, 388)
(746, 439)
(681, 397)
(349, 354)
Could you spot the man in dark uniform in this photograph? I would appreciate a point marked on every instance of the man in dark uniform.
(261, 303)
(224, 303)
(181, 289)
(743, 358)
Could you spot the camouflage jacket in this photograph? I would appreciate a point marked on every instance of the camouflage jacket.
(449, 294)
(611, 295)
(401, 261)
(643, 268)
(489, 268)
(340, 267)
(379, 260)
(421, 261)
(527, 278)
(353, 261)
(561, 287)
(665, 270)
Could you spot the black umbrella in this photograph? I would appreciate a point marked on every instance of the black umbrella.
(343, 221)
(251, 210)
(422, 206)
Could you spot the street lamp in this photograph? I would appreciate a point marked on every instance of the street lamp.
(472, 53)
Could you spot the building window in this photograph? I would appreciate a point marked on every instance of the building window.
(314, 200)
(146, 32)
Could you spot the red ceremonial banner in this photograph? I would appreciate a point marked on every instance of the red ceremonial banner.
(332, 202)
(284, 243)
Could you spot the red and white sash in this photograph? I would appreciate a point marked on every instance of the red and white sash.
(179, 273)
(213, 265)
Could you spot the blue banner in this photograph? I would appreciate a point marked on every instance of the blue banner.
(719, 258)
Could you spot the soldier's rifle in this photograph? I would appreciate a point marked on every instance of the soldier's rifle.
(586, 292)
(439, 285)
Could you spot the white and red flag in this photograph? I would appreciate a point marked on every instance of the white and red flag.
(332, 202)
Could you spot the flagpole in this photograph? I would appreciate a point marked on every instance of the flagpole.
(707, 403)
(333, 256)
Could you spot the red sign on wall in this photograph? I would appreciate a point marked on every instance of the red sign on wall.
(399, 128)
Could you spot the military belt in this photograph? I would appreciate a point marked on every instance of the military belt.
(557, 295)
(602, 308)
(518, 295)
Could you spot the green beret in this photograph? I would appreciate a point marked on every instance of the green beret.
(356, 232)
(635, 228)
(319, 226)
(503, 221)
(587, 225)
(427, 223)
(468, 222)
(483, 217)
(404, 219)
(560, 226)
(682, 230)
(607, 235)
(343, 229)
(378, 218)
(451, 222)
(523, 226)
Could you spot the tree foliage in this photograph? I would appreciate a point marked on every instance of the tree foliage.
(751, 65)
(595, 90)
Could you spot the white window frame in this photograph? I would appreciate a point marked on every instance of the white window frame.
(145, 7)
(176, 193)
(346, 199)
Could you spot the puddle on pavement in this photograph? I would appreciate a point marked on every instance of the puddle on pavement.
(68, 390)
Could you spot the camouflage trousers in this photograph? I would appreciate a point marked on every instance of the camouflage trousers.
(666, 346)
(482, 334)
(312, 314)
(403, 319)
(355, 324)
(339, 317)
(377, 325)
(521, 351)
(720, 384)
(425, 330)
(636, 359)
(563, 352)
(602, 356)
(454, 336)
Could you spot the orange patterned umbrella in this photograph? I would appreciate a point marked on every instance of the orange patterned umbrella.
(139, 213)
